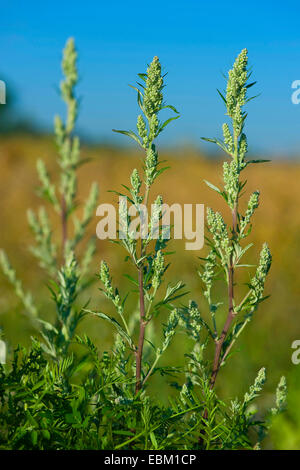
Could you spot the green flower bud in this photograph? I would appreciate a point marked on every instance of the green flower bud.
(218, 229)
(258, 281)
(243, 149)
(135, 183)
(105, 278)
(231, 181)
(236, 89)
(153, 91)
(191, 320)
(252, 205)
(169, 331)
(151, 162)
(281, 396)
(256, 388)
(142, 130)
(158, 270)
(228, 140)
(208, 273)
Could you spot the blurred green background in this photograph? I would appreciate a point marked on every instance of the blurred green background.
(266, 342)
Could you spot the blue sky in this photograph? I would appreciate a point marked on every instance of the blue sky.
(196, 42)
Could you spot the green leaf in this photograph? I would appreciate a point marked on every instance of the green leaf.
(212, 186)
(257, 161)
(143, 76)
(159, 172)
(126, 187)
(48, 326)
(251, 84)
(129, 134)
(222, 96)
(170, 107)
(46, 434)
(245, 265)
(34, 437)
(252, 97)
(153, 439)
(116, 324)
(124, 433)
(166, 123)
(240, 252)
(213, 141)
(139, 97)
(171, 290)
(134, 281)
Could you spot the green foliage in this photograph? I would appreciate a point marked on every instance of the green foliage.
(42, 408)
(52, 399)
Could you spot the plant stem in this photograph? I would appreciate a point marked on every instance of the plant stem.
(64, 218)
(143, 322)
(64, 226)
(231, 312)
(139, 352)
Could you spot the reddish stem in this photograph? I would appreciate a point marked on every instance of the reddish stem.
(231, 314)
(139, 352)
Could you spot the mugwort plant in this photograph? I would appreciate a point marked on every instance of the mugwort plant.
(54, 398)
(56, 253)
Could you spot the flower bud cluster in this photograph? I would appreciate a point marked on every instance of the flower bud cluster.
(231, 181)
(281, 396)
(258, 281)
(236, 86)
(158, 269)
(153, 90)
(109, 291)
(256, 388)
(218, 229)
(71, 78)
(136, 186)
(243, 149)
(252, 205)
(208, 273)
(228, 140)
(191, 320)
(142, 130)
(169, 331)
(151, 162)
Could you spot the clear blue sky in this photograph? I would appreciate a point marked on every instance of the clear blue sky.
(196, 42)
